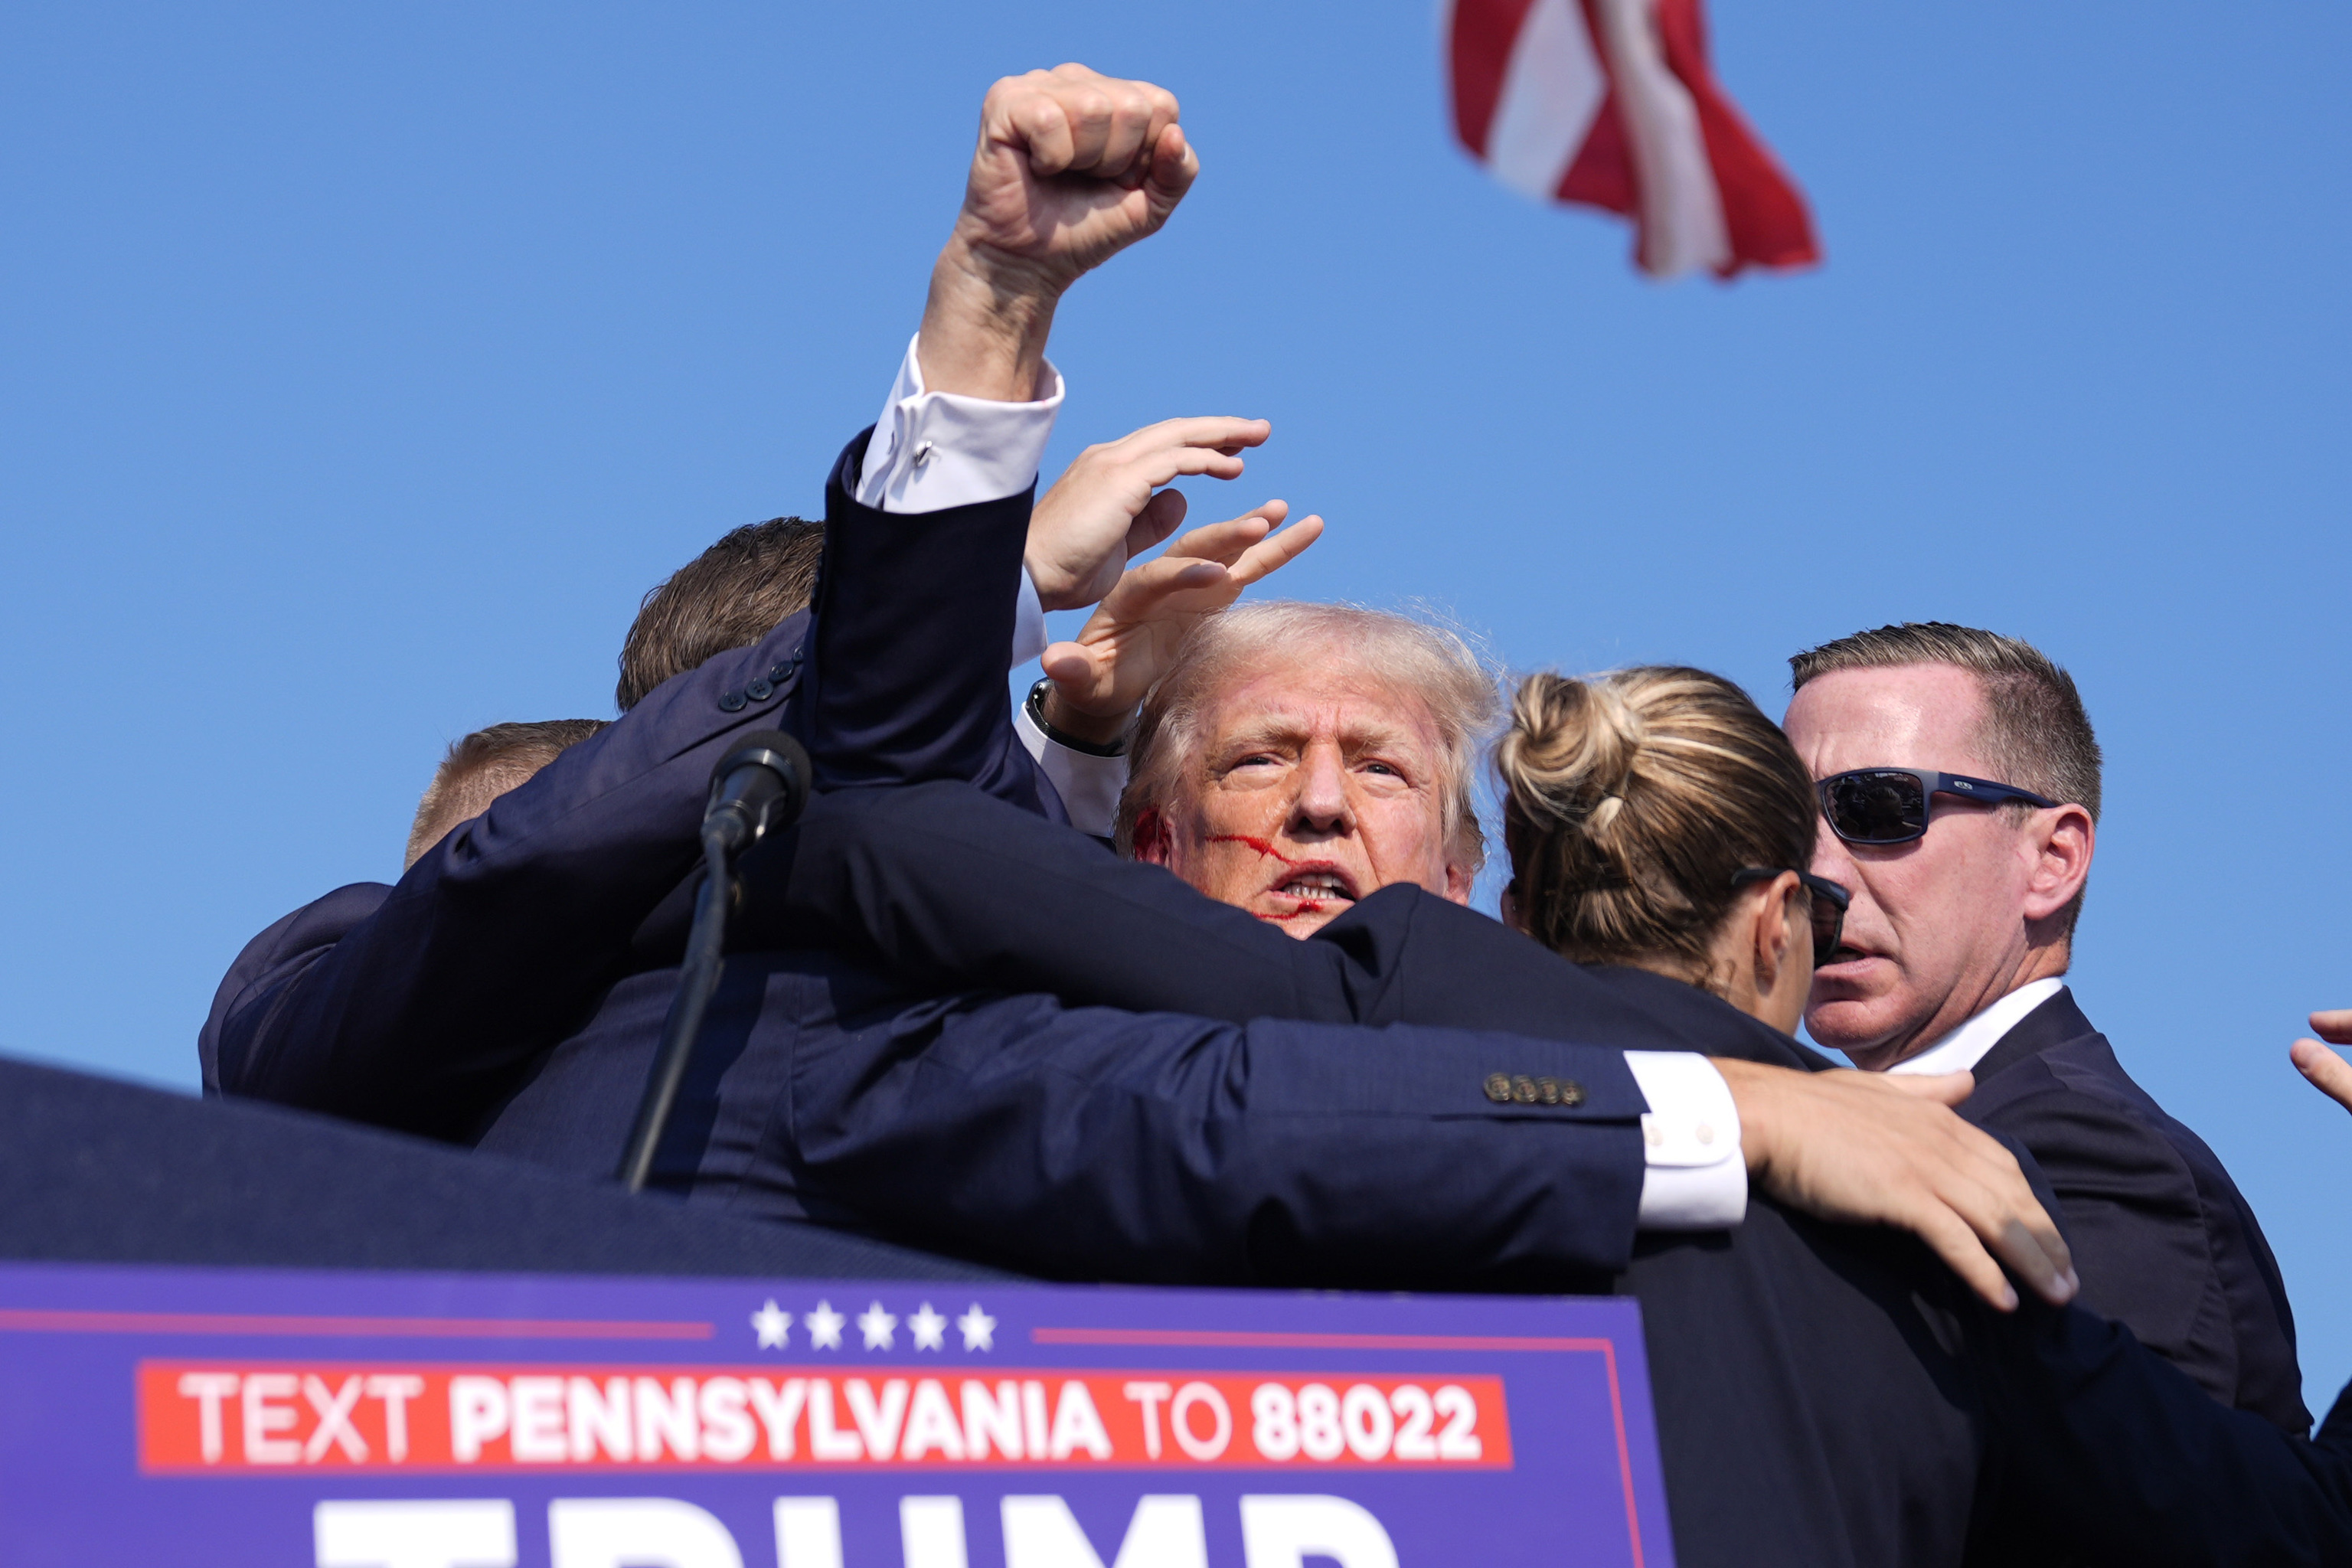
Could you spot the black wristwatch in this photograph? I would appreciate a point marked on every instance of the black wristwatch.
(1035, 707)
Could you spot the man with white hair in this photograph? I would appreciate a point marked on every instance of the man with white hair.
(1294, 760)
(1821, 1393)
(1300, 756)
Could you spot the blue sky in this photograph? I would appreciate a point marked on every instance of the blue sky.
(364, 367)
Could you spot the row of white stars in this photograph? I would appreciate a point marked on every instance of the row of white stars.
(927, 1327)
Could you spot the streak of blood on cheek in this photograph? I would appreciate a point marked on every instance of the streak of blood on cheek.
(1260, 845)
(1305, 906)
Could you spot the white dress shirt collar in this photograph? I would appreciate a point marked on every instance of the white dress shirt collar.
(1961, 1050)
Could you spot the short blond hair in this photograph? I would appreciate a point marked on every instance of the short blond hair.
(484, 765)
(1433, 664)
(2034, 731)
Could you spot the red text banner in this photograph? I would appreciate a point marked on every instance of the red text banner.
(234, 1417)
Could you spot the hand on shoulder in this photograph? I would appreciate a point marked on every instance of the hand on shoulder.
(1870, 1149)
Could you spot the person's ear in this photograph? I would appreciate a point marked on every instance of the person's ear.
(1459, 880)
(1775, 918)
(1154, 844)
(2061, 843)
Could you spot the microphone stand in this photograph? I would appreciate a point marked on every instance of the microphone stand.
(762, 782)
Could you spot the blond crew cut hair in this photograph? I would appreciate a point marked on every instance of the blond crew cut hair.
(2034, 731)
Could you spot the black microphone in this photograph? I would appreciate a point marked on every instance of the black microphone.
(761, 784)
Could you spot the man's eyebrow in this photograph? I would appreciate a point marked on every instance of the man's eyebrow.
(1377, 737)
(1264, 730)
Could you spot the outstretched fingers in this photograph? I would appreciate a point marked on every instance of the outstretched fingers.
(1226, 542)
(2329, 1073)
(1271, 555)
(1163, 515)
(1227, 433)
(1174, 448)
(1145, 588)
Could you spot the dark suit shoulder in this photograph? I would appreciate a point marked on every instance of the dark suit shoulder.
(2086, 1136)
(285, 949)
(1444, 964)
(2129, 1202)
(2163, 1240)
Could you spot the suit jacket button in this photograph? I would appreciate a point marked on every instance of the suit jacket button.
(760, 690)
(1548, 1091)
(777, 675)
(1571, 1093)
(732, 702)
(1498, 1087)
(1523, 1090)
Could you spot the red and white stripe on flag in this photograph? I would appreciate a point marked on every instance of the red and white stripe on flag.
(1611, 103)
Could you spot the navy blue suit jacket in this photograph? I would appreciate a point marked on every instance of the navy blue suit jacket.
(424, 1013)
(1825, 1395)
(276, 956)
(2162, 1238)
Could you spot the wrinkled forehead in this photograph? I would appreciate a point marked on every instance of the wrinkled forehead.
(1904, 716)
(1322, 695)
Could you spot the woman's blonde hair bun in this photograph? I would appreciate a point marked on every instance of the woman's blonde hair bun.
(1630, 799)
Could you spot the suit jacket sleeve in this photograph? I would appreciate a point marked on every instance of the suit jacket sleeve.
(2132, 1214)
(1089, 1142)
(500, 938)
(2111, 1455)
(952, 890)
(276, 956)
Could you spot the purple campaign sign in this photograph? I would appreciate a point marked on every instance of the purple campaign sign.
(392, 1420)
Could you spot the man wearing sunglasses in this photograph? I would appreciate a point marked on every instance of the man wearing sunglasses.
(1959, 779)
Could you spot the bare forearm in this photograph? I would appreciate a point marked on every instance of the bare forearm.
(985, 325)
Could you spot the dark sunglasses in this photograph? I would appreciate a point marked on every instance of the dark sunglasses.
(1891, 805)
(1829, 907)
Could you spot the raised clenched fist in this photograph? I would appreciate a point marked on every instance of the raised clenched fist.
(1073, 166)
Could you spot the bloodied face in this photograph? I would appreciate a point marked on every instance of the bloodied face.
(1312, 784)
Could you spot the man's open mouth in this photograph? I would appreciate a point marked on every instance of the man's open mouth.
(1317, 887)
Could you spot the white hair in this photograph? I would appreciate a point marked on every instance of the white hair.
(1431, 663)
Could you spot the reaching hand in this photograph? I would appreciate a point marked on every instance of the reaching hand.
(2329, 1073)
(1873, 1149)
(1103, 511)
(1132, 637)
(1073, 166)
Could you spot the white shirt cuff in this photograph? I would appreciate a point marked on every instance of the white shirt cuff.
(932, 450)
(1089, 786)
(1028, 624)
(1694, 1176)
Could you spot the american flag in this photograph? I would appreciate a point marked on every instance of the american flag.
(1611, 103)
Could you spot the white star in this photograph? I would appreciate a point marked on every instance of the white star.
(877, 1325)
(978, 1330)
(772, 1326)
(931, 1330)
(823, 1327)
